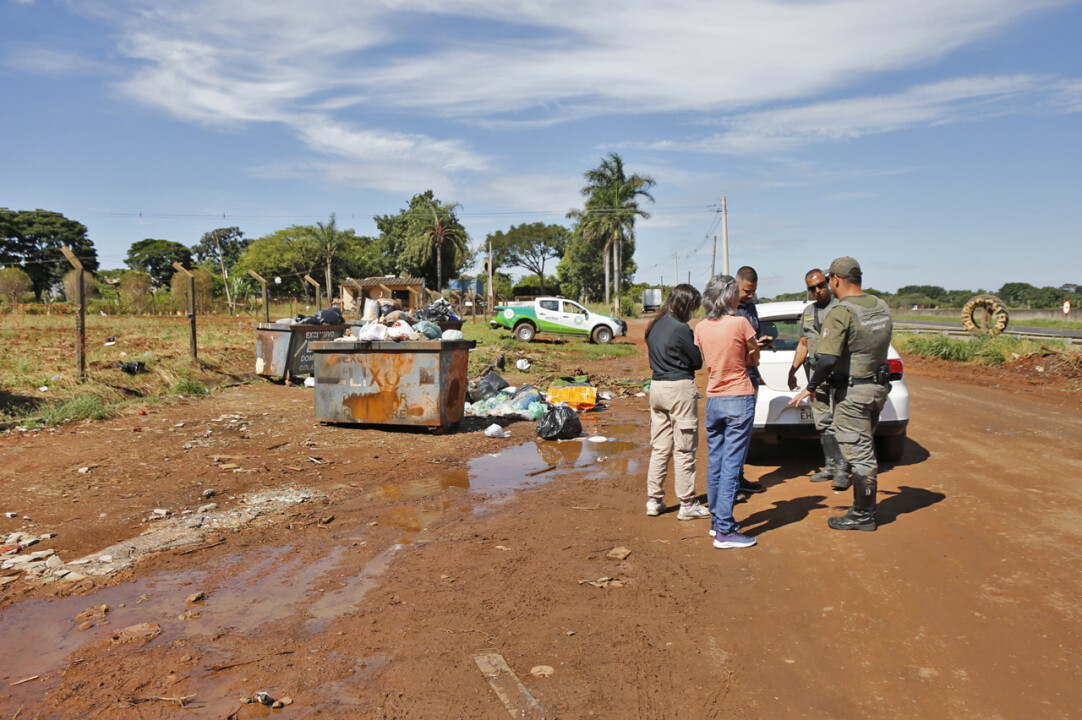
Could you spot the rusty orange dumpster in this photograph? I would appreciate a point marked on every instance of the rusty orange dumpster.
(391, 383)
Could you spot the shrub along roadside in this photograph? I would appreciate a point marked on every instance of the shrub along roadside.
(991, 350)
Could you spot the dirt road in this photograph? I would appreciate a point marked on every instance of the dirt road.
(376, 565)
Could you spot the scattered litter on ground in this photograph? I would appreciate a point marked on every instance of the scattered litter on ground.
(496, 431)
(542, 671)
(618, 553)
(559, 423)
(605, 582)
(578, 396)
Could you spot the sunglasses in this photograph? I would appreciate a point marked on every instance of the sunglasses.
(819, 286)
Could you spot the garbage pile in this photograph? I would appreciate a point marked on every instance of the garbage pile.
(384, 320)
(556, 412)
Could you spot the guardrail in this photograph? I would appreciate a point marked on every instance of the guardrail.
(1073, 337)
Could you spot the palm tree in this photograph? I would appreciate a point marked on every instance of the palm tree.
(330, 241)
(612, 205)
(435, 225)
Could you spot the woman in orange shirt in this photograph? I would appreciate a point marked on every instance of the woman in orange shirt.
(728, 345)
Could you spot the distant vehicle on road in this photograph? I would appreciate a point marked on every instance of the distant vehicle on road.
(557, 316)
(773, 416)
(651, 299)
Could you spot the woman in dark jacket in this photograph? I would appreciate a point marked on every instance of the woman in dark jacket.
(674, 413)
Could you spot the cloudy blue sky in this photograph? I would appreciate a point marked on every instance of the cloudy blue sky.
(938, 141)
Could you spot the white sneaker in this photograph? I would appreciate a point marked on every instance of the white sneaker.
(654, 507)
(694, 511)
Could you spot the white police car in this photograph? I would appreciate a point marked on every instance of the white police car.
(775, 420)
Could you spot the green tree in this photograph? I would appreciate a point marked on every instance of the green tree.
(293, 252)
(222, 246)
(71, 285)
(330, 242)
(407, 244)
(204, 289)
(433, 227)
(156, 258)
(928, 291)
(136, 290)
(33, 238)
(612, 207)
(14, 283)
(530, 246)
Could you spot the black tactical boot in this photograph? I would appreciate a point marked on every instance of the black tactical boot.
(862, 515)
(832, 455)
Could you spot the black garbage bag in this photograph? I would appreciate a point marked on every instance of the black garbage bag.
(326, 316)
(559, 423)
(488, 386)
(437, 311)
(329, 316)
(132, 368)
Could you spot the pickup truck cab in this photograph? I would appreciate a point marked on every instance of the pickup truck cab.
(557, 316)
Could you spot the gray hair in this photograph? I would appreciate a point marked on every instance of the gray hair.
(721, 297)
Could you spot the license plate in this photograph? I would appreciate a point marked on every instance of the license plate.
(806, 415)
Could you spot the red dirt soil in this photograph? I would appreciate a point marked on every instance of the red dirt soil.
(423, 551)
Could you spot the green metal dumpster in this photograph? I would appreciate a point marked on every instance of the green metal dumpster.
(391, 383)
(282, 351)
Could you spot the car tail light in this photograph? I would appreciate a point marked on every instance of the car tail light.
(896, 369)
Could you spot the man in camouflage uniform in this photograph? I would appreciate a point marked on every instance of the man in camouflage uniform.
(853, 353)
(807, 354)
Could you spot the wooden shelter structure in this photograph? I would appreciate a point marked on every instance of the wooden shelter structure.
(409, 291)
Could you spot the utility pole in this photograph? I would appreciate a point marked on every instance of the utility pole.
(225, 274)
(714, 257)
(724, 238)
(490, 295)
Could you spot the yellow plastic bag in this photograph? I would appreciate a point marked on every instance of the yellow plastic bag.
(579, 397)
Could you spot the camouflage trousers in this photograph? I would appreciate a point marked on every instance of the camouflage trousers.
(856, 415)
(822, 408)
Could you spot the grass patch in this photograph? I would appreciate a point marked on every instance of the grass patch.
(83, 407)
(957, 318)
(188, 386)
(991, 350)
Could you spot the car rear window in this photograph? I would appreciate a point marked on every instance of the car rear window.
(786, 333)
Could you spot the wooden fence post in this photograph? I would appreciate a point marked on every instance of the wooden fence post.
(263, 284)
(80, 316)
(308, 279)
(191, 309)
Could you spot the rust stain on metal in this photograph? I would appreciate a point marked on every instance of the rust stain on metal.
(408, 383)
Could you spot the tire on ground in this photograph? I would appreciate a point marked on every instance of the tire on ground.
(601, 335)
(985, 313)
(525, 331)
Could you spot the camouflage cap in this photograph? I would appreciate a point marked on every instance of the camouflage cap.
(846, 268)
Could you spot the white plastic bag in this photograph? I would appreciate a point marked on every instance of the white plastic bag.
(495, 431)
(371, 310)
(373, 332)
(452, 335)
(401, 330)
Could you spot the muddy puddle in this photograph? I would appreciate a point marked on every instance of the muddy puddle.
(247, 592)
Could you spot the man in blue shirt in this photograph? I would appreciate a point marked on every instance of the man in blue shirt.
(748, 282)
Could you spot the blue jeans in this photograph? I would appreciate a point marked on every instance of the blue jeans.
(728, 434)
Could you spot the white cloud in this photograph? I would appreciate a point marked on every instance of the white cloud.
(950, 101)
(360, 84)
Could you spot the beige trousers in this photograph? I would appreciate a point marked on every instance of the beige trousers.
(674, 432)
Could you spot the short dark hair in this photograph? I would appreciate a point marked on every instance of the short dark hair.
(812, 272)
(747, 274)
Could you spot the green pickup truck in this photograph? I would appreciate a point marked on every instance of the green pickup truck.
(557, 316)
